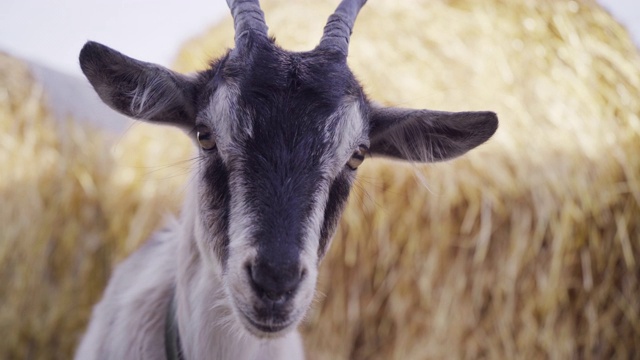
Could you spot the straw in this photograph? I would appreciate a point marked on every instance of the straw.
(527, 247)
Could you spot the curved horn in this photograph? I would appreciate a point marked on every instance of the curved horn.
(338, 29)
(247, 17)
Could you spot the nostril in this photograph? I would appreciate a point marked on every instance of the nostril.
(277, 298)
(274, 283)
(249, 270)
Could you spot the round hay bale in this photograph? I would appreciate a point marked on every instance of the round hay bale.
(75, 201)
(527, 247)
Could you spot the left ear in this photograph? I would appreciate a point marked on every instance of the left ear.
(138, 89)
(426, 135)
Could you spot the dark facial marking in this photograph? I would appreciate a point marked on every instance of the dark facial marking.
(338, 195)
(290, 97)
(287, 98)
(216, 181)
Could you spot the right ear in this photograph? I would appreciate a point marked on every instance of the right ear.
(138, 89)
(427, 135)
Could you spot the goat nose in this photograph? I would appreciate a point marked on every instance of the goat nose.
(275, 283)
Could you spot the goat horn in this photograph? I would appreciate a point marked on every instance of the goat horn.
(247, 17)
(338, 29)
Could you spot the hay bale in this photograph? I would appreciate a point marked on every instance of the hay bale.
(71, 208)
(526, 248)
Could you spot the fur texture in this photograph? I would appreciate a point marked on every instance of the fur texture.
(266, 195)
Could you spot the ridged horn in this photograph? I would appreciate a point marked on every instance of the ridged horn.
(338, 29)
(247, 17)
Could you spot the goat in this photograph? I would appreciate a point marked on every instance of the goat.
(280, 136)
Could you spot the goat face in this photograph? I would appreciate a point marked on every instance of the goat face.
(289, 131)
(280, 135)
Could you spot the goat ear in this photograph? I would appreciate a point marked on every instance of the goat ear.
(427, 136)
(138, 89)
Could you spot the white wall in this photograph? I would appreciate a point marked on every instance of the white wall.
(52, 32)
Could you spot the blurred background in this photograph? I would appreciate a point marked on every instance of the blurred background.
(49, 35)
(527, 247)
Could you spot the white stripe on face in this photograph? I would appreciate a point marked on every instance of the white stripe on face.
(346, 131)
(223, 116)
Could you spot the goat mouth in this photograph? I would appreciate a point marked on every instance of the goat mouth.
(268, 328)
(262, 329)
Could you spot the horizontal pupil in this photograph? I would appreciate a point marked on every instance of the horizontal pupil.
(358, 156)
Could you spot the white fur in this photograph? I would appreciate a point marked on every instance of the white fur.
(221, 112)
(349, 134)
(129, 321)
(151, 97)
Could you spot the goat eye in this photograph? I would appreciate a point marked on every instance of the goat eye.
(357, 157)
(205, 138)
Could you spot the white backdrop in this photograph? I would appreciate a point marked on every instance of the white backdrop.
(52, 32)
